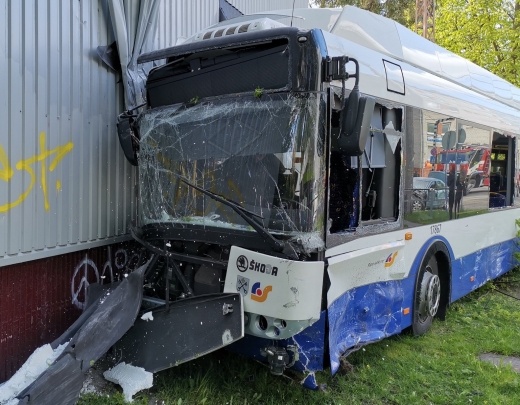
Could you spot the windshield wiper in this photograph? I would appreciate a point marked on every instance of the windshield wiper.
(250, 218)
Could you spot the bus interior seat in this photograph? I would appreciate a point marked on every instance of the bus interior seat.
(497, 198)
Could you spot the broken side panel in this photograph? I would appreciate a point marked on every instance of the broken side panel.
(363, 315)
(365, 297)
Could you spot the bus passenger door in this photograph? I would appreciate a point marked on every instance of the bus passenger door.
(502, 176)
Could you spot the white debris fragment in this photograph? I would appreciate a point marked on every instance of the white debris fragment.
(147, 317)
(227, 338)
(36, 364)
(310, 241)
(132, 379)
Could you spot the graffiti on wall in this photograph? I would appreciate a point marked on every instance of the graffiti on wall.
(29, 166)
(87, 272)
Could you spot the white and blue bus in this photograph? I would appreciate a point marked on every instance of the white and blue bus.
(327, 177)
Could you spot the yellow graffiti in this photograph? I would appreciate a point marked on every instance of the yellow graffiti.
(6, 172)
(5, 168)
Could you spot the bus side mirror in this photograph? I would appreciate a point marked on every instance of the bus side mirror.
(127, 136)
(355, 120)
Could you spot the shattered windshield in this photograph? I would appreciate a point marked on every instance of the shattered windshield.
(263, 153)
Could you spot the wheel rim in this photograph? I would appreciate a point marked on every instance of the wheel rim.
(430, 295)
(433, 295)
(416, 205)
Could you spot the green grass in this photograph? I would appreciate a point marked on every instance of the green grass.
(428, 217)
(441, 367)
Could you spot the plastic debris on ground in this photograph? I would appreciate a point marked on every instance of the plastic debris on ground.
(147, 317)
(131, 379)
(36, 364)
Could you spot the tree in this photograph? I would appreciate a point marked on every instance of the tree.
(484, 31)
(402, 11)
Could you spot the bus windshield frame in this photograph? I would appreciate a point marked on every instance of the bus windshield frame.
(265, 154)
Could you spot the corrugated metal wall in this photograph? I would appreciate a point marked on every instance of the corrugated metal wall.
(249, 6)
(183, 18)
(64, 182)
(65, 185)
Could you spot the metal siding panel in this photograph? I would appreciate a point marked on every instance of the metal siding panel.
(42, 66)
(251, 7)
(94, 100)
(48, 212)
(62, 200)
(118, 190)
(183, 18)
(84, 141)
(55, 84)
(14, 148)
(28, 124)
(107, 115)
(74, 169)
(102, 133)
(4, 117)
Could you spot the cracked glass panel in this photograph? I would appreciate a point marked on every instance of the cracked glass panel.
(265, 154)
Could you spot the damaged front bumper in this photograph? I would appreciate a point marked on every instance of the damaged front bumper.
(183, 331)
(281, 297)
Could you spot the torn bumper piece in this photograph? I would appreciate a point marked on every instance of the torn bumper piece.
(187, 329)
(110, 319)
(306, 350)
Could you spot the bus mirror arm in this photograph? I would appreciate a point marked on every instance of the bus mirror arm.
(128, 135)
(355, 123)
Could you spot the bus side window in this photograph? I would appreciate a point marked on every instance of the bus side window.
(342, 197)
(343, 185)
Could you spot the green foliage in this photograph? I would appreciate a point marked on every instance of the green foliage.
(194, 100)
(517, 253)
(111, 399)
(258, 92)
(483, 31)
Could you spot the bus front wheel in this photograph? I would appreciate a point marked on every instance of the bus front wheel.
(427, 295)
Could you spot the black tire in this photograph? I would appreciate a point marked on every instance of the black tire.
(427, 295)
(417, 205)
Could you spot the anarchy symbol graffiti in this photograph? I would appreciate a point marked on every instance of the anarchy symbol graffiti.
(82, 271)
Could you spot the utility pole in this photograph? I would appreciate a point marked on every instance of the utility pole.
(425, 18)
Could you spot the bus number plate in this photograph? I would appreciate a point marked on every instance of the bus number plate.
(436, 229)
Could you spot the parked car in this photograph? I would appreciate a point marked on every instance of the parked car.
(428, 193)
(443, 176)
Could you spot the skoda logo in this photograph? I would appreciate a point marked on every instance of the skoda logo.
(242, 263)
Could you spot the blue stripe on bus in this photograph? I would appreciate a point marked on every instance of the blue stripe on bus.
(364, 314)
(483, 265)
(370, 313)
